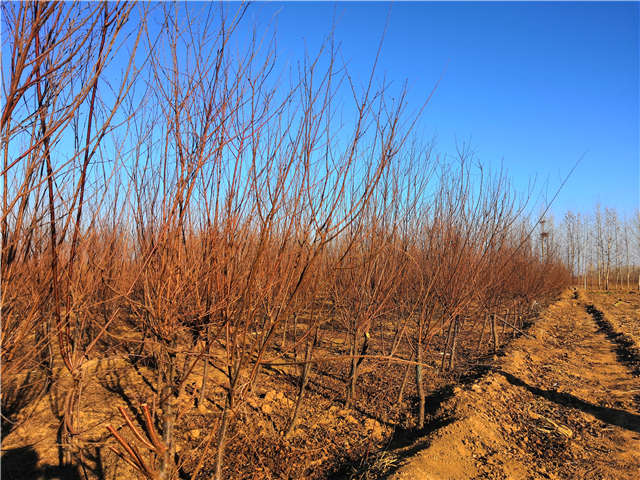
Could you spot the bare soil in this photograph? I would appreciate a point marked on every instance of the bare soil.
(563, 403)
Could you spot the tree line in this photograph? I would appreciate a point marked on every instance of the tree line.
(602, 248)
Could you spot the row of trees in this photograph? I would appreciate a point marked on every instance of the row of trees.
(167, 198)
(601, 248)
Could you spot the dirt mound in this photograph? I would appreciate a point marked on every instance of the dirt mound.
(561, 405)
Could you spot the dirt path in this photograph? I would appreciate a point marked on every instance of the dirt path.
(562, 404)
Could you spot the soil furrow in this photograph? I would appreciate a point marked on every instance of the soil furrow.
(626, 349)
(561, 405)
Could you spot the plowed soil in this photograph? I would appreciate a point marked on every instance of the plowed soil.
(564, 402)
(561, 401)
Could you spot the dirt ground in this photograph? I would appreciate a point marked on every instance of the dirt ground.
(564, 402)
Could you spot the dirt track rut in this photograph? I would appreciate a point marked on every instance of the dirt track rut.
(562, 403)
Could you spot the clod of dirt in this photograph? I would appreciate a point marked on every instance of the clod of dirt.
(374, 429)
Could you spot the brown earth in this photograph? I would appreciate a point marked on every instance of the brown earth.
(563, 403)
(623, 312)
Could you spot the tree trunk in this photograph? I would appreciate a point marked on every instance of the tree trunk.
(404, 383)
(420, 387)
(356, 359)
(283, 343)
(203, 385)
(168, 425)
(304, 378)
(295, 336)
(222, 434)
(599, 271)
(504, 324)
(167, 404)
(484, 324)
(353, 379)
(69, 423)
(494, 333)
(445, 348)
(452, 356)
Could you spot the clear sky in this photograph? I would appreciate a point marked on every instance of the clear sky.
(531, 85)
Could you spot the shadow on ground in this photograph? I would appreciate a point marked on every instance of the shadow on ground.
(22, 464)
(409, 441)
(626, 351)
(612, 416)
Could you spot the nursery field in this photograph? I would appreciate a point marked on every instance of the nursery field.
(558, 399)
(331, 438)
(222, 260)
(563, 403)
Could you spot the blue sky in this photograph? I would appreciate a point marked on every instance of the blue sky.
(532, 86)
